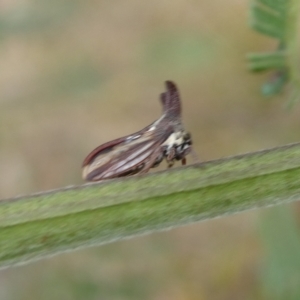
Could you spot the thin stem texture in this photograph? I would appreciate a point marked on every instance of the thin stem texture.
(43, 224)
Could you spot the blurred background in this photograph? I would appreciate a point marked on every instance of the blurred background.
(75, 74)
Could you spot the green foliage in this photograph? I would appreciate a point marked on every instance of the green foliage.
(281, 274)
(269, 17)
(278, 19)
(265, 61)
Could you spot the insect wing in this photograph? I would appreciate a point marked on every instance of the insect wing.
(122, 157)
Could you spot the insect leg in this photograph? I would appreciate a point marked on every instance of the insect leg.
(181, 156)
(171, 157)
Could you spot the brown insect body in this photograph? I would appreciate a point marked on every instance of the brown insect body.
(145, 149)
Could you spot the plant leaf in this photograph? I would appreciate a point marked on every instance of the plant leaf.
(278, 19)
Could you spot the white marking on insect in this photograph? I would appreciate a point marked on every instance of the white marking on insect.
(133, 137)
(100, 160)
(138, 152)
(154, 125)
(134, 162)
(174, 138)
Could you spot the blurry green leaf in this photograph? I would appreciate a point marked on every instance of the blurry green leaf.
(278, 19)
(275, 84)
(274, 5)
(281, 239)
(265, 61)
(266, 22)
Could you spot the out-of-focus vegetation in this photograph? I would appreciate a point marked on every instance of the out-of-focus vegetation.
(76, 74)
(278, 19)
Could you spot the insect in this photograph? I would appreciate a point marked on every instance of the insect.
(138, 152)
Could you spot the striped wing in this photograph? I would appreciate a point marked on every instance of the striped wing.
(125, 156)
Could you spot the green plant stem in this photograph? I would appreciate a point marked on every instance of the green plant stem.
(292, 42)
(43, 224)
